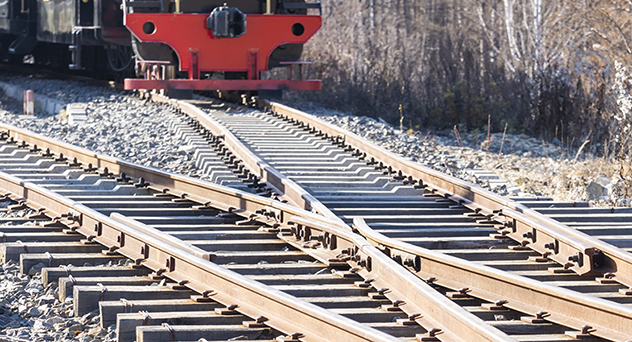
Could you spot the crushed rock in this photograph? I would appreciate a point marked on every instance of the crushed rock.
(118, 124)
(30, 311)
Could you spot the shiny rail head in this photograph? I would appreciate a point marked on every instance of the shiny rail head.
(284, 312)
(611, 320)
(338, 248)
(573, 253)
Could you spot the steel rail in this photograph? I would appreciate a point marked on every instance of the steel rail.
(529, 304)
(568, 308)
(253, 208)
(295, 193)
(419, 300)
(153, 232)
(244, 204)
(206, 194)
(282, 311)
(550, 238)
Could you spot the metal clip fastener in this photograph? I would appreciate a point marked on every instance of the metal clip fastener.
(170, 330)
(103, 291)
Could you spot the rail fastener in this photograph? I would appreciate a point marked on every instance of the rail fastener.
(545, 302)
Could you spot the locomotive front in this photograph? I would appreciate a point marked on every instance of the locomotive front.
(174, 44)
(212, 45)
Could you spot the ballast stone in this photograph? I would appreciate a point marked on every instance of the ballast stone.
(118, 125)
(600, 188)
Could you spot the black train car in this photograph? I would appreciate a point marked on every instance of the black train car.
(54, 30)
(92, 35)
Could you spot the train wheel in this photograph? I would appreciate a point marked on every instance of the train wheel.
(120, 58)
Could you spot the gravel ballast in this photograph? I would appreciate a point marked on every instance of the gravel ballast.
(126, 127)
(118, 125)
(30, 311)
(135, 130)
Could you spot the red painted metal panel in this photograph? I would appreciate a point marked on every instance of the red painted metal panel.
(184, 32)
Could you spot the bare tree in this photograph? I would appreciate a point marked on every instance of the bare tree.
(530, 63)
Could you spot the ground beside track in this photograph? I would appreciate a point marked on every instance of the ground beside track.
(536, 167)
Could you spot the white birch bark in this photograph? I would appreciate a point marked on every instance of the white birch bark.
(536, 6)
(509, 24)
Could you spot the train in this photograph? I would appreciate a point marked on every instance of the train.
(166, 44)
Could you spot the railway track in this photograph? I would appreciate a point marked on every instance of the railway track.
(352, 179)
(314, 289)
(291, 274)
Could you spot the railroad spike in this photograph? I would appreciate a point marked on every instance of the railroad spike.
(229, 310)
(74, 163)
(89, 168)
(497, 305)
(257, 323)
(122, 178)
(411, 320)
(208, 293)
(538, 319)
(293, 337)
(61, 158)
(362, 284)
(398, 303)
(430, 336)
(414, 316)
(434, 332)
(585, 332)
(47, 154)
(383, 291)
(461, 293)
(141, 183)
(106, 172)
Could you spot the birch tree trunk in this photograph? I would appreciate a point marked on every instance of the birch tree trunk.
(509, 26)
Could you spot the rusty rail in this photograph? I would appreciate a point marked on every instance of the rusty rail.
(552, 239)
(246, 205)
(569, 308)
(250, 206)
(295, 193)
(167, 256)
(420, 301)
(282, 311)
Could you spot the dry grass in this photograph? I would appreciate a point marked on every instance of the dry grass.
(564, 179)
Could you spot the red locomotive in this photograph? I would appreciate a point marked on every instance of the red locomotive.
(173, 44)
